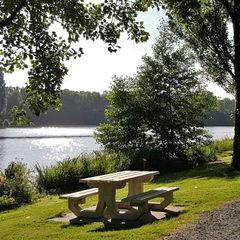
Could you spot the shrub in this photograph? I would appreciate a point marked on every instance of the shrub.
(172, 160)
(7, 203)
(15, 186)
(65, 175)
(201, 154)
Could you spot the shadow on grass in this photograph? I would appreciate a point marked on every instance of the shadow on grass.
(147, 219)
(105, 226)
(118, 225)
(80, 222)
(213, 170)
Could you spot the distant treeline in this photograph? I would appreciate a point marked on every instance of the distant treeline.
(78, 108)
(223, 114)
(87, 108)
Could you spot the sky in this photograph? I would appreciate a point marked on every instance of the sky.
(94, 70)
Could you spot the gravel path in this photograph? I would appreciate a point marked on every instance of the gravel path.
(220, 224)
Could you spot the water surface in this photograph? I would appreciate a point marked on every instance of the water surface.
(45, 145)
(220, 132)
(48, 145)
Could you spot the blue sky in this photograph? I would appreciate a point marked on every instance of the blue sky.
(95, 69)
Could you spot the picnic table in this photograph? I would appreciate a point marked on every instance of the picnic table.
(106, 185)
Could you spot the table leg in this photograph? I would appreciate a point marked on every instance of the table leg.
(113, 210)
(110, 200)
(135, 187)
(107, 202)
(101, 206)
(73, 205)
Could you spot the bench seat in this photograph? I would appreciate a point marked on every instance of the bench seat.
(80, 194)
(141, 199)
(76, 198)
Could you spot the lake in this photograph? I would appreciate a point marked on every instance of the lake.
(48, 145)
(45, 145)
(221, 132)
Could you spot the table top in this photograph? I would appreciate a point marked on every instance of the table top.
(119, 177)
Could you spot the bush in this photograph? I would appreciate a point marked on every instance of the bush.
(201, 154)
(7, 203)
(172, 160)
(65, 175)
(15, 186)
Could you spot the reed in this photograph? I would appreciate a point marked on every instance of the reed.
(65, 175)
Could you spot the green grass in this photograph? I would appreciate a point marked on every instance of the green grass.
(201, 190)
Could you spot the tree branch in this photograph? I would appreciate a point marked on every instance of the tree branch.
(228, 7)
(8, 20)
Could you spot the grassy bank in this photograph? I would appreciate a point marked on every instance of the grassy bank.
(200, 190)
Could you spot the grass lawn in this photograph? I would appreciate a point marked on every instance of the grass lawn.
(201, 190)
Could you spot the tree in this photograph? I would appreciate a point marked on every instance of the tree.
(160, 109)
(2, 92)
(28, 38)
(212, 27)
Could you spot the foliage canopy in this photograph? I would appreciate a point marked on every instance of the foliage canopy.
(29, 38)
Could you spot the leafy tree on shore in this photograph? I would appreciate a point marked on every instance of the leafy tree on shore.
(212, 27)
(160, 109)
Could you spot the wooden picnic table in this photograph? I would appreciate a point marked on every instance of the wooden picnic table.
(107, 185)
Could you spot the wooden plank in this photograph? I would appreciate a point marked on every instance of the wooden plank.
(109, 177)
(119, 176)
(133, 175)
(145, 196)
(80, 194)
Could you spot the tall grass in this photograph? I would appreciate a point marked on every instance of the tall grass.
(65, 175)
(223, 146)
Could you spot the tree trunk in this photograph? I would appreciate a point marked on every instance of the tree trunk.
(236, 145)
(236, 31)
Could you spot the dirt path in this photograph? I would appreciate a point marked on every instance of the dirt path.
(220, 224)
